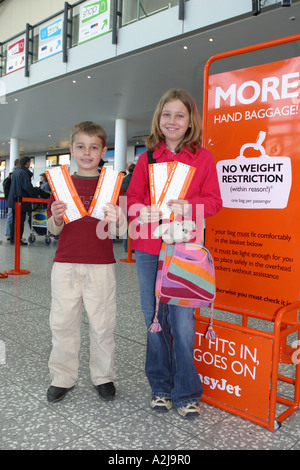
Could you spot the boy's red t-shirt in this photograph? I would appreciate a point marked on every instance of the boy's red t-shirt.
(85, 240)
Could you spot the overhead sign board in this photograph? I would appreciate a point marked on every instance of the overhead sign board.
(94, 19)
(50, 38)
(15, 54)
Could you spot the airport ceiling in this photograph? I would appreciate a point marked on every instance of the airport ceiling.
(129, 87)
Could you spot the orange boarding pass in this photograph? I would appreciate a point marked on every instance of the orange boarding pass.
(107, 191)
(170, 183)
(63, 189)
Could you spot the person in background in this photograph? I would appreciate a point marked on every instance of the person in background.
(175, 136)
(127, 178)
(44, 185)
(6, 187)
(128, 165)
(0, 179)
(101, 165)
(21, 186)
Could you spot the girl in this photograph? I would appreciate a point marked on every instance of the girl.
(175, 135)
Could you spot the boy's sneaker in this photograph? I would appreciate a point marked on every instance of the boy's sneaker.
(161, 404)
(55, 394)
(106, 391)
(191, 410)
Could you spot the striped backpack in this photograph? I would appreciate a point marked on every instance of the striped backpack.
(185, 277)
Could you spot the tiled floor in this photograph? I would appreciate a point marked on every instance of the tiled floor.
(82, 420)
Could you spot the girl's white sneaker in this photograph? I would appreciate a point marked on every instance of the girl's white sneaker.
(161, 404)
(190, 410)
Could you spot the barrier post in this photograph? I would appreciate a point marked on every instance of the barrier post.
(2, 207)
(3, 201)
(129, 250)
(17, 270)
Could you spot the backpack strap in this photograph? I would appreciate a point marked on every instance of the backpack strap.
(152, 160)
(150, 157)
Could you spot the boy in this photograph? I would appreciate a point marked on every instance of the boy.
(83, 272)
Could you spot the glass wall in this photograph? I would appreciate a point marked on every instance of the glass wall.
(54, 160)
(134, 10)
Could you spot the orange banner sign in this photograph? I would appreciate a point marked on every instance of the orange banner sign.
(253, 129)
(235, 369)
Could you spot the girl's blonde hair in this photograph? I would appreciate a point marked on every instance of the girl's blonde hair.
(192, 139)
(90, 128)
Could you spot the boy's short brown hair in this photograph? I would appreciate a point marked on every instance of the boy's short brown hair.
(90, 128)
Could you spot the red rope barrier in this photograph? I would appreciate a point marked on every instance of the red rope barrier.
(17, 270)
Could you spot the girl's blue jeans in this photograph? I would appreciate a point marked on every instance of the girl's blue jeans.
(170, 366)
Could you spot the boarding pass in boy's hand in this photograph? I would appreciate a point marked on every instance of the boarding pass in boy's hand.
(64, 190)
(107, 191)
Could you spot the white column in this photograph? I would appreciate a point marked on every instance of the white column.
(14, 152)
(121, 128)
